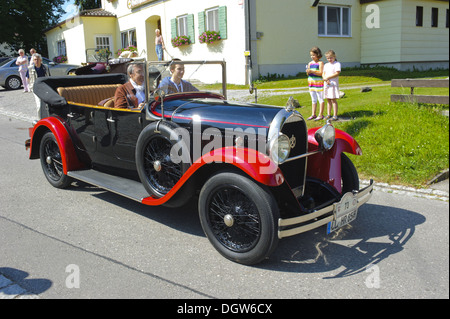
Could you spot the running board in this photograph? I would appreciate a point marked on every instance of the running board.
(119, 185)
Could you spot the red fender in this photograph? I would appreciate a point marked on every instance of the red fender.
(69, 157)
(326, 166)
(257, 165)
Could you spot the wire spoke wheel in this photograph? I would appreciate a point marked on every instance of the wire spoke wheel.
(51, 162)
(239, 217)
(234, 219)
(157, 163)
(162, 173)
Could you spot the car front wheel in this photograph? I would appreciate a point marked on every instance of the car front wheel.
(350, 178)
(239, 217)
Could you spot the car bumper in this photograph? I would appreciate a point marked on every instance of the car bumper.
(296, 225)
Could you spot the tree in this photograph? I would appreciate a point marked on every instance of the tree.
(88, 4)
(23, 22)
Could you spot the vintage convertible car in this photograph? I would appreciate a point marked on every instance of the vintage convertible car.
(256, 170)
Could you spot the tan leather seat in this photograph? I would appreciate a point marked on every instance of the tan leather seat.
(91, 94)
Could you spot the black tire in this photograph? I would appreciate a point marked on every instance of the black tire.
(239, 217)
(51, 162)
(154, 157)
(350, 178)
(13, 82)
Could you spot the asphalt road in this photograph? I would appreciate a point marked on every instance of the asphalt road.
(83, 242)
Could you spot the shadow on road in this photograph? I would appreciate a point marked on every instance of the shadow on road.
(378, 232)
(19, 277)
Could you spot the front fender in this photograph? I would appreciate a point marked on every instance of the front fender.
(55, 125)
(257, 165)
(326, 166)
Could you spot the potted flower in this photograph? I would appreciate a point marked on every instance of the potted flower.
(130, 48)
(181, 40)
(209, 37)
(60, 59)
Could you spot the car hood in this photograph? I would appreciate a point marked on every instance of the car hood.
(219, 113)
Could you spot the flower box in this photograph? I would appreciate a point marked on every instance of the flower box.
(209, 37)
(181, 40)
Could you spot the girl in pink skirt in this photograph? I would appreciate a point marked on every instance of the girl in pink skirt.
(331, 72)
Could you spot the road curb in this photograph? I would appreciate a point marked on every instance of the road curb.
(428, 193)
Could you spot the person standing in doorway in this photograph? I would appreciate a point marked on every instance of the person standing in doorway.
(159, 44)
(22, 62)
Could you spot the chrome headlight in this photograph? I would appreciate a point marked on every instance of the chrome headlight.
(280, 148)
(325, 136)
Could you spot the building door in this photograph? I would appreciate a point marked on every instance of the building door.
(151, 24)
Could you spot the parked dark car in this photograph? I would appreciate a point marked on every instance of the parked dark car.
(10, 77)
(258, 173)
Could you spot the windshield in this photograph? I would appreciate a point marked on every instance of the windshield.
(187, 76)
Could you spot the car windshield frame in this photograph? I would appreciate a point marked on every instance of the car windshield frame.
(164, 69)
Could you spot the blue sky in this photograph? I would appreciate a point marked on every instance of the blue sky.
(70, 9)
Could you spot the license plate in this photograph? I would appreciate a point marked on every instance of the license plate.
(344, 212)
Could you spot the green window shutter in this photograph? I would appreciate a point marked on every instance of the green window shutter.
(223, 22)
(201, 22)
(173, 28)
(190, 26)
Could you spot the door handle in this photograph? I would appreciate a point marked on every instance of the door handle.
(110, 119)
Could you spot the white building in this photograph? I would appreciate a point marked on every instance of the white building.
(277, 35)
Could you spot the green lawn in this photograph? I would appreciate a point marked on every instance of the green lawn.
(402, 143)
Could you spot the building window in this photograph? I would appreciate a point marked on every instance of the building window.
(128, 38)
(212, 19)
(419, 16)
(434, 17)
(61, 46)
(103, 42)
(182, 25)
(334, 21)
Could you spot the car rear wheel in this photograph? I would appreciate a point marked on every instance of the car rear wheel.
(51, 162)
(13, 82)
(239, 217)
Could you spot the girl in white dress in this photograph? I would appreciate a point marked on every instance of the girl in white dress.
(330, 75)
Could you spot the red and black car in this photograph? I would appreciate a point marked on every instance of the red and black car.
(256, 170)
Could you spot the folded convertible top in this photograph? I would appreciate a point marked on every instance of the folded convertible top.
(45, 87)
